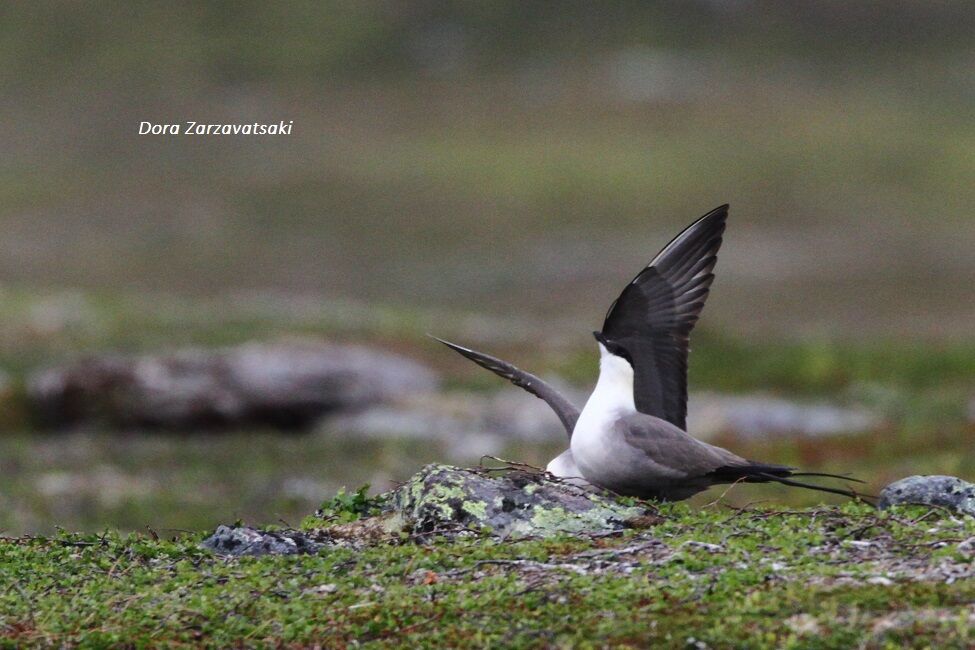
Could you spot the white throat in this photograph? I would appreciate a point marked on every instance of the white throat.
(614, 389)
(610, 400)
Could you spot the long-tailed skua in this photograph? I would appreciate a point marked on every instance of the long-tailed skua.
(630, 437)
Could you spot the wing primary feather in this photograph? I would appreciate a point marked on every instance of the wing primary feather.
(656, 311)
(566, 411)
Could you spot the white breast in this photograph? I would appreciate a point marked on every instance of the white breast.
(594, 444)
(563, 466)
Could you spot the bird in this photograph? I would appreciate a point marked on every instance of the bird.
(630, 438)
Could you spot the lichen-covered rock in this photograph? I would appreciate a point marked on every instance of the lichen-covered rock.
(440, 499)
(242, 540)
(513, 504)
(282, 384)
(945, 491)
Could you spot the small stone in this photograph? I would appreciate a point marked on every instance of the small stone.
(803, 624)
(967, 547)
(644, 521)
(944, 491)
(243, 540)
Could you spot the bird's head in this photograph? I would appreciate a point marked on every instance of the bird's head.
(612, 348)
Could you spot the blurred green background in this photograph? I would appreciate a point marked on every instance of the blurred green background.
(481, 170)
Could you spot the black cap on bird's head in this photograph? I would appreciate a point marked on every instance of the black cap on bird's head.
(613, 347)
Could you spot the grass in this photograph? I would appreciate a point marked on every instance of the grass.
(822, 577)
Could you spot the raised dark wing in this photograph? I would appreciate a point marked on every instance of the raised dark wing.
(656, 312)
(566, 410)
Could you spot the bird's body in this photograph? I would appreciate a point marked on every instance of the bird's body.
(636, 454)
(630, 437)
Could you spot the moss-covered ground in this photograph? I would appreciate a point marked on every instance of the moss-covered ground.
(826, 577)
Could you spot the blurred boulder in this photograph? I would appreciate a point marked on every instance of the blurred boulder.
(283, 384)
(762, 416)
(944, 491)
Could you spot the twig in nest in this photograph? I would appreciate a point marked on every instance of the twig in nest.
(509, 464)
(725, 493)
(604, 553)
(531, 564)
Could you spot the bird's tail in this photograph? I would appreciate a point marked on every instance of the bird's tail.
(768, 473)
(853, 494)
(842, 477)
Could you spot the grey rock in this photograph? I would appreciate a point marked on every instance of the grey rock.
(512, 504)
(967, 547)
(242, 540)
(281, 384)
(945, 491)
(764, 417)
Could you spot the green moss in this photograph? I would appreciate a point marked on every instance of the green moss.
(758, 578)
